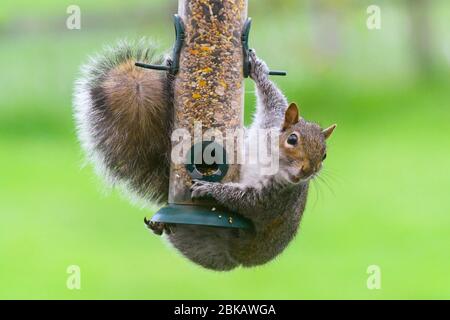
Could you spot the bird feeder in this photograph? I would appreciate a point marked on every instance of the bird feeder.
(209, 62)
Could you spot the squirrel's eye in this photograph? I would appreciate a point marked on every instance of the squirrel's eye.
(292, 139)
(324, 156)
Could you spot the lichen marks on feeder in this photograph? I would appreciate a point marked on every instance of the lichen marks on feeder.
(208, 87)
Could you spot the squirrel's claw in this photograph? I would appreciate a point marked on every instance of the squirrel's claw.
(258, 68)
(200, 189)
(252, 55)
(156, 227)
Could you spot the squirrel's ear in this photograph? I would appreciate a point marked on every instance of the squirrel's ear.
(328, 131)
(291, 116)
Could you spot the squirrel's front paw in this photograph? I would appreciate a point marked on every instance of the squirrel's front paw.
(201, 189)
(258, 68)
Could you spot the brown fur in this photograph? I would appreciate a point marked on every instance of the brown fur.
(134, 97)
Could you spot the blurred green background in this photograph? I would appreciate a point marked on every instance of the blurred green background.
(384, 200)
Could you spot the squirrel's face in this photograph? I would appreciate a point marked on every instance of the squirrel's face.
(302, 146)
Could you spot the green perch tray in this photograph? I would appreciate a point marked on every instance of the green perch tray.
(201, 215)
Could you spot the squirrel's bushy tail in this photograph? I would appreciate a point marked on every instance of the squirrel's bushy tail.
(124, 116)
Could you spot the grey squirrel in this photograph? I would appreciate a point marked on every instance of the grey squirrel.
(124, 119)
